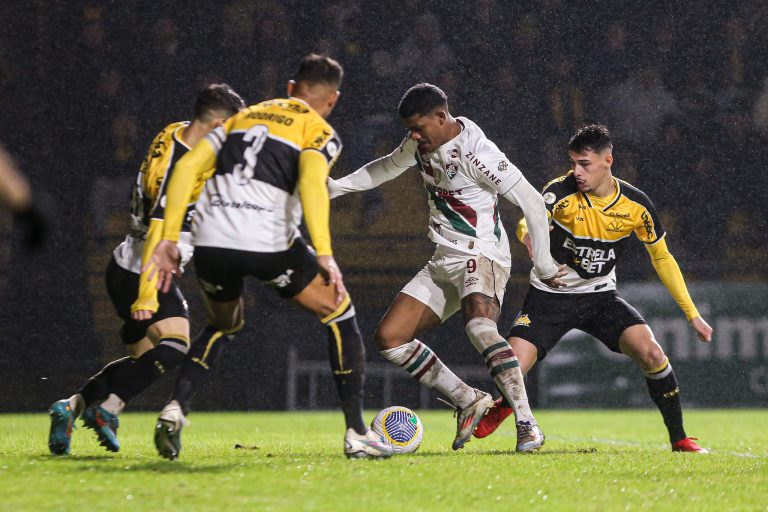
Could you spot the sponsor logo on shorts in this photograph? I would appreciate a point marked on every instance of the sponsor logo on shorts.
(209, 288)
(522, 320)
(470, 281)
(282, 280)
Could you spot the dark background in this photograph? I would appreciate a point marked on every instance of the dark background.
(84, 87)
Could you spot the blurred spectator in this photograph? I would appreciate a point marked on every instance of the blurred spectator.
(635, 108)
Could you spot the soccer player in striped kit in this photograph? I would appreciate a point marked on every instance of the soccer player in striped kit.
(594, 214)
(464, 173)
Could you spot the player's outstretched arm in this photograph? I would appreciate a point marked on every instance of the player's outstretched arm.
(535, 213)
(374, 173)
(670, 275)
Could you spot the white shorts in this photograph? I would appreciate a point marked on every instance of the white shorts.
(451, 275)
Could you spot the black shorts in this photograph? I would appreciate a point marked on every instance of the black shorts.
(123, 290)
(221, 271)
(546, 317)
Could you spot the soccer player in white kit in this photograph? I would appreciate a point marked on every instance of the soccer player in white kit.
(463, 173)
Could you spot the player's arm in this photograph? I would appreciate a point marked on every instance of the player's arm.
(189, 170)
(313, 173)
(16, 195)
(535, 222)
(146, 304)
(374, 173)
(669, 272)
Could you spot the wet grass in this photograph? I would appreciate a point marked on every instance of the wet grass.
(593, 460)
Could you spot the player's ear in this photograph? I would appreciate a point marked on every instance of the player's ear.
(290, 86)
(333, 98)
(441, 116)
(608, 159)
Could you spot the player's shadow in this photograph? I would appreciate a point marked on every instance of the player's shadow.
(540, 453)
(106, 464)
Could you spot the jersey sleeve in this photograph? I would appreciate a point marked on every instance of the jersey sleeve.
(322, 138)
(491, 166)
(650, 229)
(190, 170)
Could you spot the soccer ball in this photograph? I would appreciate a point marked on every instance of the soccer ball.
(400, 428)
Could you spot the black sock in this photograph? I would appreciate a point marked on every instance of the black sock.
(662, 386)
(347, 356)
(197, 366)
(98, 387)
(167, 354)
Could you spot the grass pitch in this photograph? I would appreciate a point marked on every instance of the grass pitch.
(593, 460)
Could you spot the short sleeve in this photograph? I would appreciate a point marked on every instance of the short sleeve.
(321, 137)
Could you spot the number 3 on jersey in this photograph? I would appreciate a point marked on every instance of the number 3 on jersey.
(254, 138)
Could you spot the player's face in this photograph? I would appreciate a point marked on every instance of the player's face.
(592, 170)
(429, 131)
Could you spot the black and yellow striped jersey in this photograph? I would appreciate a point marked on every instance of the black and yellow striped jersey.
(147, 197)
(590, 233)
(252, 201)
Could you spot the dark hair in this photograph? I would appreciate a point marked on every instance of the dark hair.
(421, 99)
(594, 137)
(217, 98)
(319, 69)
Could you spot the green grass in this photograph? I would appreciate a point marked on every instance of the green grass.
(593, 460)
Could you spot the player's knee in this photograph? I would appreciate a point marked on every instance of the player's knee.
(386, 337)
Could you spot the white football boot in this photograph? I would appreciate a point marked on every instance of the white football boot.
(366, 446)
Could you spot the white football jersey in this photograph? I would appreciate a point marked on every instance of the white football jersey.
(463, 179)
(252, 201)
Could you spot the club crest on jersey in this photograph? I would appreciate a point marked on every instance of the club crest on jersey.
(451, 170)
(549, 197)
(522, 320)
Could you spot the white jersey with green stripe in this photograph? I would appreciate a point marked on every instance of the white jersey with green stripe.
(463, 179)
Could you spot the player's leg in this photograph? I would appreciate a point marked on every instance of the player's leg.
(545, 317)
(122, 286)
(622, 329)
(481, 305)
(221, 279)
(170, 339)
(639, 344)
(425, 302)
(346, 352)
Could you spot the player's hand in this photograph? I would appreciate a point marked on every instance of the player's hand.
(142, 314)
(331, 273)
(165, 263)
(144, 308)
(555, 281)
(702, 328)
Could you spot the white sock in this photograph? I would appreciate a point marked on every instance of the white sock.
(424, 366)
(172, 412)
(113, 404)
(77, 404)
(502, 363)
